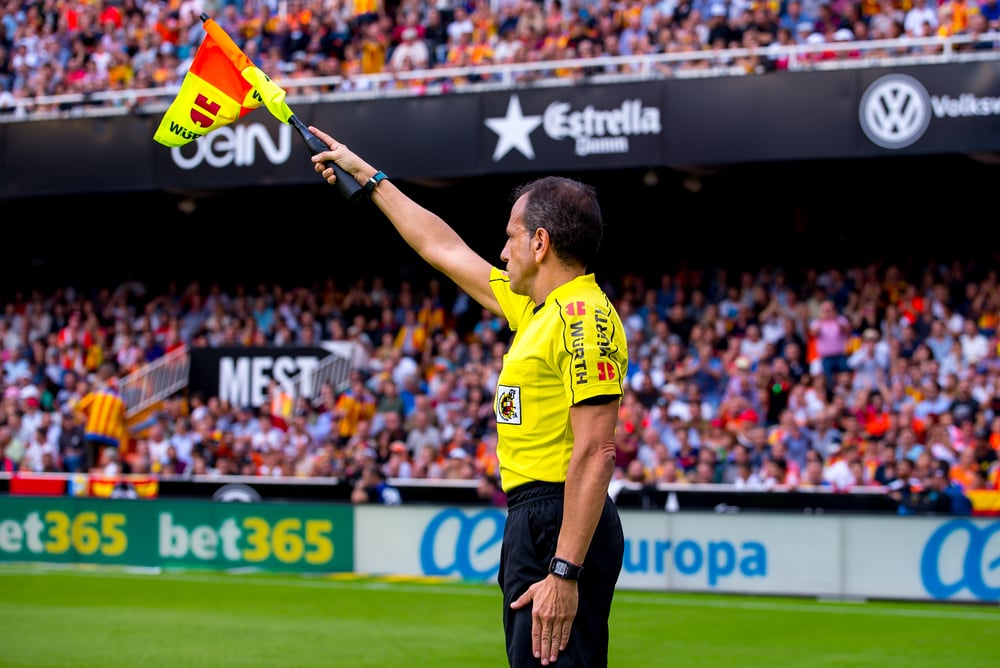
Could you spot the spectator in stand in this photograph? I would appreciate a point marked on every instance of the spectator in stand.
(953, 16)
(887, 465)
(964, 407)
(775, 474)
(744, 476)
(108, 464)
(411, 53)
(966, 470)
(839, 473)
(71, 446)
(812, 474)
(795, 439)
(103, 411)
(373, 487)
(30, 406)
(920, 17)
(8, 463)
(778, 385)
(41, 454)
(990, 10)
(184, 440)
(17, 366)
(908, 444)
(974, 343)
(938, 496)
(939, 339)
(753, 346)
(830, 331)
(872, 414)
(436, 34)
(934, 402)
(398, 464)
(986, 455)
(870, 361)
(354, 405)
(791, 16)
(422, 432)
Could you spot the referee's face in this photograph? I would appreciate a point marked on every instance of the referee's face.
(517, 252)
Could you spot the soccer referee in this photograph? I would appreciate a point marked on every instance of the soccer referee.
(556, 404)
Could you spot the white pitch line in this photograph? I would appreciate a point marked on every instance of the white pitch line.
(933, 611)
(305, 581)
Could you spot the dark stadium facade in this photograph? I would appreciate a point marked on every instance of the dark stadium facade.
(791, 169)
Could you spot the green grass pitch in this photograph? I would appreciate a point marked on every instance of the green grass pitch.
(110, 618)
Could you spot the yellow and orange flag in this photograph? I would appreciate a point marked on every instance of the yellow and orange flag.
(221, 86)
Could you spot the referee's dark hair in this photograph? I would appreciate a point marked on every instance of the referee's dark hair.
(569, 211)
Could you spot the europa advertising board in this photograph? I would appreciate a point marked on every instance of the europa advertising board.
(919, 558)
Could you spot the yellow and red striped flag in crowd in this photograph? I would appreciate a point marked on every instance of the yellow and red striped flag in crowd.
(221, 86)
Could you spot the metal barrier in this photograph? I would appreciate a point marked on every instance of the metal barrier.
(334, 370)
(155, 382)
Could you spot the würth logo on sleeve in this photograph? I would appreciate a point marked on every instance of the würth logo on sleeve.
(576, 308)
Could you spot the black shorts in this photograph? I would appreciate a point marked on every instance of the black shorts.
(534, 515)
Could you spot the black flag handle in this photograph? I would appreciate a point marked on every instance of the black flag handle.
(350, 188)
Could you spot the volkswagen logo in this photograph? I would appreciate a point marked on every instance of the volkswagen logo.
(895, 111)
(235, 492)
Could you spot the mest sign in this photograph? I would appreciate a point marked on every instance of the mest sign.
(242, 376)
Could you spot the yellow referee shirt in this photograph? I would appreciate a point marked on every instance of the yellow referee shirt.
(564, 351)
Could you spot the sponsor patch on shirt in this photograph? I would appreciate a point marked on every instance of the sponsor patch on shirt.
(508, 407)
(587, 333)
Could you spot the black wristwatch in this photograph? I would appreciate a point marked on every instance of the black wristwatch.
(564, 569)
(369, 185)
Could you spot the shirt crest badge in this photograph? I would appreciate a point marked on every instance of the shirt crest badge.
(508, 406)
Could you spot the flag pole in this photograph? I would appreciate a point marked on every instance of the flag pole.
(276, 104)
(346, 183)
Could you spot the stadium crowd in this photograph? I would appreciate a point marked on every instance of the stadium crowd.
(833, 378)
(54, 47)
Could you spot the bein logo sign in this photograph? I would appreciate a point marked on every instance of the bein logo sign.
(236, 145)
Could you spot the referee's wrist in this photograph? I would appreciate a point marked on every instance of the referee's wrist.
(368, 187)
(565, 569)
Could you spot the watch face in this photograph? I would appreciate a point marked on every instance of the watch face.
(561, 569)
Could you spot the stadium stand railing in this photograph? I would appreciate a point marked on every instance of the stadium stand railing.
(835, 55)
(148, 386)
(333, 370)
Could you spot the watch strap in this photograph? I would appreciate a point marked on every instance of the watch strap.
(370, 184)
(566, 570)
